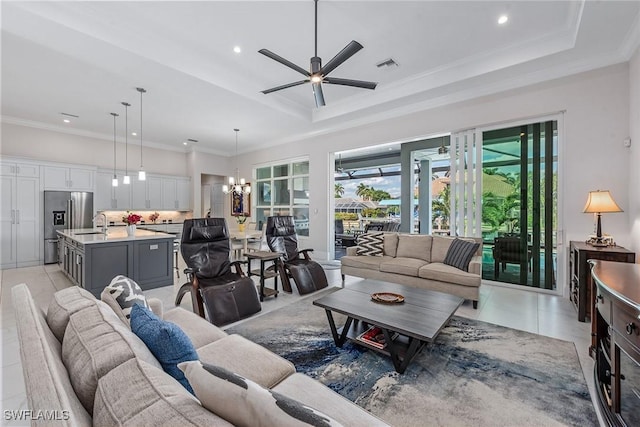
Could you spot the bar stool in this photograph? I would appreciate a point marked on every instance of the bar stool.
(176, 249)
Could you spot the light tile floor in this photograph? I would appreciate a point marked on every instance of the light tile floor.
(519, 309)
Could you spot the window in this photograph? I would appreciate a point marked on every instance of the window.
(283, 189)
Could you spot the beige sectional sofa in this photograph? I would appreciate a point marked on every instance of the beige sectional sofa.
(417, 260)
(84, 366)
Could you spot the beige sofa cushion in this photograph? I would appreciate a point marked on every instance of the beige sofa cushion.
(448, 274)
(404, 266)
(63, 304)
(197, 329)
(138, 394)
(390, 245)
(45, 377)
(95, 342)
(414, 246)
(248, 359)
(313, 393)
(368, 262)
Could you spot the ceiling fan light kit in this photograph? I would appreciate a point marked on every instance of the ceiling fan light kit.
(319, 74)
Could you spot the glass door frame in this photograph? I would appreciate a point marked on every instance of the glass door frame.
(561, 253)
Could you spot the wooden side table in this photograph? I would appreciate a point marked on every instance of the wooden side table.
(581, 286)
(264, 257)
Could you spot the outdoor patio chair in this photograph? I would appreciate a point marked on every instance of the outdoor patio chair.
(509, 250)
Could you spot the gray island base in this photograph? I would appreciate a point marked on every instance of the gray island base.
(91, 258)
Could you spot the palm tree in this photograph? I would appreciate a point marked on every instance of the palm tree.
(338, 190)
(362, 190)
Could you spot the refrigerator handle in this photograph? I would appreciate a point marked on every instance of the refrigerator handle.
(17, 216)
(70, 214)
(13, 215)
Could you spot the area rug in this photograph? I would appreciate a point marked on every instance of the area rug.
(474, 374)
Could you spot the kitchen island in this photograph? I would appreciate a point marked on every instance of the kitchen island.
(91, 258)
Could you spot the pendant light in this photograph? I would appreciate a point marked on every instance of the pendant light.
(142, 175)
(236, 185)
(114, 181)
(126, 179)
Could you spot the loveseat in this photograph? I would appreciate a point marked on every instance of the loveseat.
(84, 366)
(417, 260)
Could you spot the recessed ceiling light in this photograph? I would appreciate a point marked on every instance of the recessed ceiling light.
(134, 134)
(67, 121)
(185, 143)
(237, 49)
(503, 19)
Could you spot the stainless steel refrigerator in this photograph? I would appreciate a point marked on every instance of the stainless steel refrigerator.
(64, 209)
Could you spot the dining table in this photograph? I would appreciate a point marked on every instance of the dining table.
(244, 237)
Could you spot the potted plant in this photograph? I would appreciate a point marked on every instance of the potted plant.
(241, 219)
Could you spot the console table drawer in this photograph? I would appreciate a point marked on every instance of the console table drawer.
(626, 322)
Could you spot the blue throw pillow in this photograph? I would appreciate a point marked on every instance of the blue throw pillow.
(168, 343)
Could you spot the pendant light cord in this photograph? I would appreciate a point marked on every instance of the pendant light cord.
(114, 143)
(237, 164)
(141, 90)
(126, 137)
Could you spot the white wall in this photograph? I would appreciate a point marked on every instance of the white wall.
(39, 144)
(599, 115)
(634, 158)
(596, 121)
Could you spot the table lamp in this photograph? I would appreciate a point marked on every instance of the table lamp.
(598, 202)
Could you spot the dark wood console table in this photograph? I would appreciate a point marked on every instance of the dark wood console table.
(617, 323)
(579, 278)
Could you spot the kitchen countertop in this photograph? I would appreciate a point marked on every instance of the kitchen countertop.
(87, 236)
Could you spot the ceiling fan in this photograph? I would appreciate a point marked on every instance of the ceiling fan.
(318, 73)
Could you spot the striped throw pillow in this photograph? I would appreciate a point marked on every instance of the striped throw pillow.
(460, 253)
(370, 244)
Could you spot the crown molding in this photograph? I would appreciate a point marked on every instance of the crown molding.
(77, 132)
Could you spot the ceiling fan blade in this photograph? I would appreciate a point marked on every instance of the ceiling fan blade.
(317, 94)
(349, 82)
(342, 56)
(273, 89)
(284, 62)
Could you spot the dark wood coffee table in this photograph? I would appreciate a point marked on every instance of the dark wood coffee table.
(417, 321)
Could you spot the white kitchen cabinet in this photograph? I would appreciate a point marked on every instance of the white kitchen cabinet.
(175, 194)
(183, 195)
(108, 197)
(19, 215)
(103, 199)
(169, 188)
(68, 179)
(154, 192)
(147, 194)
(122, 194)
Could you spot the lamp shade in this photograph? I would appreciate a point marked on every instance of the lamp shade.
(600, 201)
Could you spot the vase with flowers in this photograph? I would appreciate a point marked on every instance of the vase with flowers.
(131, 219)
(154, 217)
(241, 219)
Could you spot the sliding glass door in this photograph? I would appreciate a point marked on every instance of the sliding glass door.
(519, 204)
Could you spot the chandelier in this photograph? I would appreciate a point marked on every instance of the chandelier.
(236, 185)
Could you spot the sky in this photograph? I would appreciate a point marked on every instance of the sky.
(390, 184)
